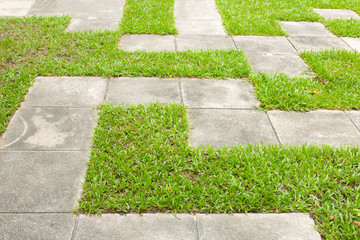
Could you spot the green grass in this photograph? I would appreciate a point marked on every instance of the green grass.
(141, 162)
(33, 46)
(255, 17)
(149, 16)
(336, 86)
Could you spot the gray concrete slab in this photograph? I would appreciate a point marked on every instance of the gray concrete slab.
(196, 26)
(354, 43)
(41, 181)
(317, 127)
(133, 226)
(261, 45)
(199, 9)
(291, 65)
(50, 129)
(211, 93)
(15, 8)
(303, 43)
(57, 226)
(355, 117)
(225, 127)
(257, 226)
(337, 13)
(86, 14)
(196, 42)
(143, 90)
(147, 42)
(66, 91)
(305, 29)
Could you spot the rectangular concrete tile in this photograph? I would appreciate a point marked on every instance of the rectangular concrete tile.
(355, 117)
(305, 29)
(317, 127)
(50, 129)
(194, 26)
(92, 23)
(303, 43)
(66, 91)
(147, 42)
(41, 181)
(199, 9)
(210, 93)
(57, 226)
(143, 90)
(19, 8)
(291, 65)
(337, 13)
(256, 226)
(137, 227)
(225, 127)
(195, 42)
(260, 45)
(354, 43)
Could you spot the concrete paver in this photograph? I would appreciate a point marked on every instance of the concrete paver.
(354, 43)
(337, 13)
(355, 117)
(224, 127)
(305, 29)
(143, 90)
(18, 8)
(50, 129)
(302, 43)
(56, 226)
(211, 42)
(199, 9)
(133, 226)
(200, 26)
(210, 93)
(41, 181)
(147, 42)
(317, 127)
(257, 226)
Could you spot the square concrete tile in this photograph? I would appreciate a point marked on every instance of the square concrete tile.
(134, 226)
(195, 42)
(211, 93)
(317, 127)
(57, 226)
(199, 9)
(303, 43)
(355, 117)
(195, 26)
(291, 65)
(256, 226)
(147, 42)
(337, 13)
(225, 127)
(305, 29)
(50, 129)
(18, 8)
(143, 90)
(66, 91)
(41, 181)
(354, 43)
(260, 45)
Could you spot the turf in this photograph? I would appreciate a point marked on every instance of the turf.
(141, 162)
(149, 16)
(255, 17)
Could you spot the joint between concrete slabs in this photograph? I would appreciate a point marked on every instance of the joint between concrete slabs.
(352, 121)
(76, 224)
(106, 89)
(273, 128)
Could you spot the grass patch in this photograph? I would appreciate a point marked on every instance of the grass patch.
(141, 162)
(254, 17)
(344, 27)
(149, 16)
(336, 86)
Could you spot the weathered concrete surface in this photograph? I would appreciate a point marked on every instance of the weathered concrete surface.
(15, 8)
(143, 90)
(337, 13)
(66, 91)
(55, 226)
(224, 127)
(210, 93)
(147, 42)
(260, 45)
(355, 117)
(145, 226)
(317, 127)
(196, 26)
(40, 181)
(49, 128)
(305, 29)
(256, 226)
(195, 42)
(354, 43)
(302, 43)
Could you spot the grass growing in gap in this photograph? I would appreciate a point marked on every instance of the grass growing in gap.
(149, 16)
(141, 161)
(255, 17)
